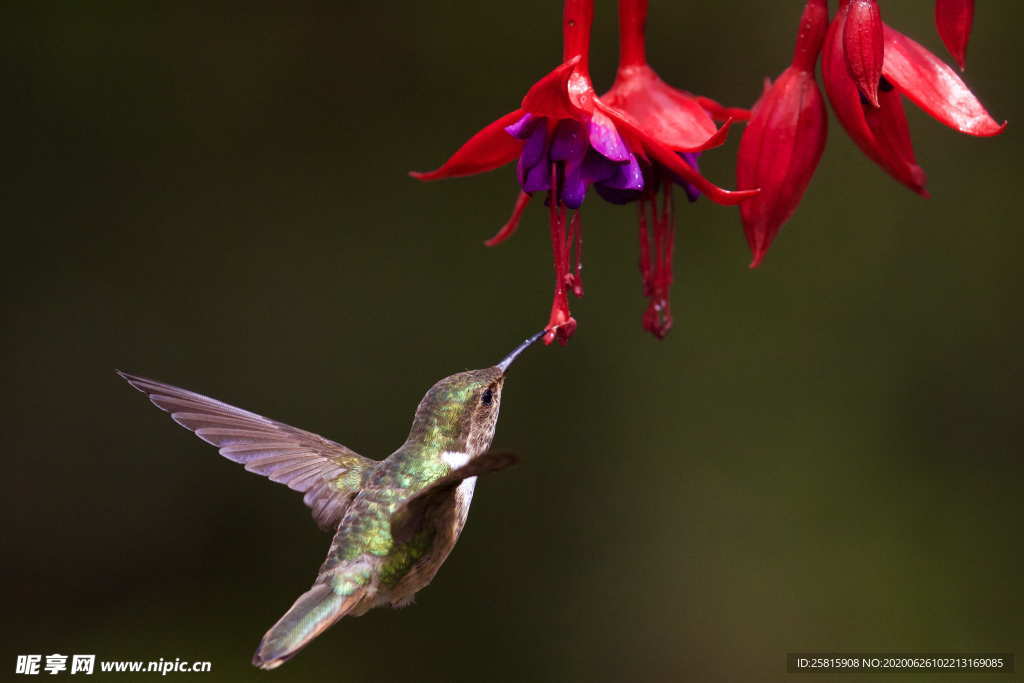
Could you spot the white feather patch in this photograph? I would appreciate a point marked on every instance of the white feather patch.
(465, 490)
(455, 459)
(463, 498)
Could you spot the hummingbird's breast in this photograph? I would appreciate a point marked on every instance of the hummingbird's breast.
(363, 553)
(420, 570)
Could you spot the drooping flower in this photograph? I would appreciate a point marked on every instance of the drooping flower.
(785, 138)
(566, 140)
(671, 119)
(953, 19)
(908, 70)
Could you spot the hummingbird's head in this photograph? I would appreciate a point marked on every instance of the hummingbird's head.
(459, 413)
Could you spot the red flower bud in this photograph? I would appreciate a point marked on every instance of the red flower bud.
(862, 44)
(882, 132)
(784, 139)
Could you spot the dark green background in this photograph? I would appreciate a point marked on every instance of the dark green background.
(825, 454)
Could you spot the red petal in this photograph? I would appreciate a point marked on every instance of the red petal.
(550, 96)
(650, 149)
(954, 18)
(779, 152)
(862, 43)
(487, 150)
(930, 84)
(847, 105)
(672, 162)
(675, 119)
(510, 227)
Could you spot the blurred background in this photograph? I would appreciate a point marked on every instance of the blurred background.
(824, 454)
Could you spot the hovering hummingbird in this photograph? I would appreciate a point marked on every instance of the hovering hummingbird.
(394, 520)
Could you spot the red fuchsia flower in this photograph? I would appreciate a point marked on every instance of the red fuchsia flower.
(908, 70)
(954, 18)
(785, 138)
(566, 140)
(675, 119)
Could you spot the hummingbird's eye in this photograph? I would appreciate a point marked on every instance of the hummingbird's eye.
(487, 397)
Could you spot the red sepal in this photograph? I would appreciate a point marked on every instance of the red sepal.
(512, 225)
(550, 96)
(953, 19)
(650, 149)
(720, 112)
(931, 84)
(889, 126)
(674, 118)
(487, 150)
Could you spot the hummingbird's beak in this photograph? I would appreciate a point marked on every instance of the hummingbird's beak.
(507, 360)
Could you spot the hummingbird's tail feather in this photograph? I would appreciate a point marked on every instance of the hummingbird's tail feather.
(314, 611)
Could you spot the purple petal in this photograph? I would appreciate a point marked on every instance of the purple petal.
(605, 139)
(537, 179)
(535, 148)
(627, 183)
(627, 176)
(568, 142)
(534, 157)
(596, 168)
(569, 145)
(692, 193)
(574, 185)
(614, 196)
(523, 127)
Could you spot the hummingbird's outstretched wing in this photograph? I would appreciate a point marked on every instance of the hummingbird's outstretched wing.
(328, 473)
(433, 505)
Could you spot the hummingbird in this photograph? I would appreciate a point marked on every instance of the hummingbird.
(394, 520)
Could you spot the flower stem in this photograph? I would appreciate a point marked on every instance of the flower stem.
(632, 21)
(577, 18)
(813, 25)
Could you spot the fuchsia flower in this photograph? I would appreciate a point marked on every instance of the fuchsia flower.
(643, 136)
(908, 70)
(566, 140)
(783, 142)
(681, 123)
